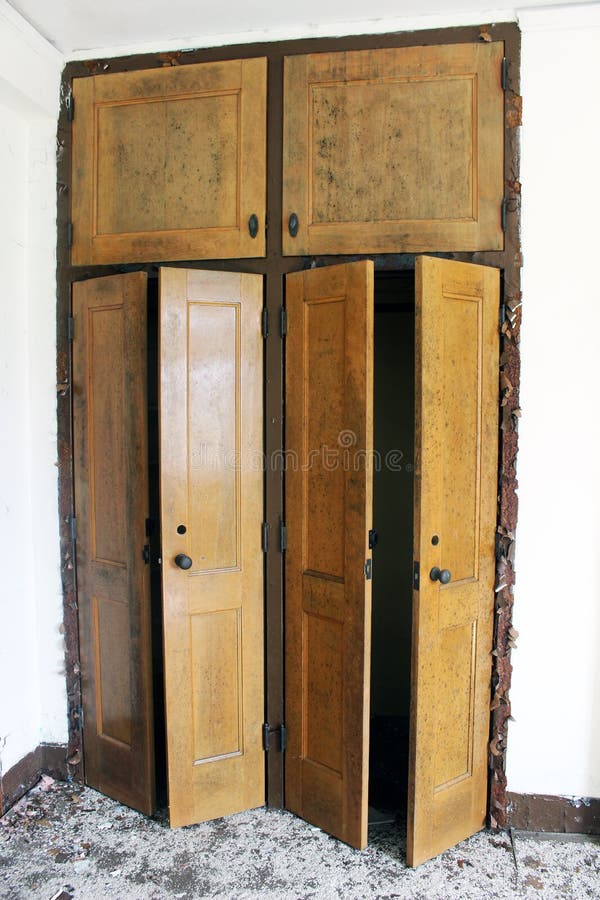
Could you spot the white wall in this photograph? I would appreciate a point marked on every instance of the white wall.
(32, 686)
(554, 744)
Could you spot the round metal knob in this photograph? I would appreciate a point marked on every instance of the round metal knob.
(442, 575)
(183, 561)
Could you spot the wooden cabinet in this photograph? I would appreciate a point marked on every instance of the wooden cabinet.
(394, 150)
(170, 163)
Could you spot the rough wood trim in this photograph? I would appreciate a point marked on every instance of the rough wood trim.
(560, 815)
(50, 759)
(274, 266)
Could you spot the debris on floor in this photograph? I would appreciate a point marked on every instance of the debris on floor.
(65, 842)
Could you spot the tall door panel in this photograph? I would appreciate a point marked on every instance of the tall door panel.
(329, 388)
(170, 163)
(111, 500)
(211, 509)
(455, 519)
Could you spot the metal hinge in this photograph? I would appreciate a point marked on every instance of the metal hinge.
(79, 715)
(265, 322)
(416, 576)
(267, 731)
(70, 328)
(283, 321)
(264, 541)
(73, 527)
(69, 234)
(70, 105)
(504, 72)
(282, 537)
(368, 570)
(501, 316)
(503, 214)
(146, 554)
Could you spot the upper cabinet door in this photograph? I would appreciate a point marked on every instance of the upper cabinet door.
(170, 163)
(394, 150)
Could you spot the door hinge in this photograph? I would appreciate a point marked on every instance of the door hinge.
(264, 541)
(69, 234)
(146, 554)
(416, 576)
(282, 537)
(267, 731)
(79, 716)
(503, 214)
(73, 527)
(504, 72)
(265, 322)
(70, 328)
(283, 321)
(368, 570)
(373, 538)
(501, 316)
(70, 105)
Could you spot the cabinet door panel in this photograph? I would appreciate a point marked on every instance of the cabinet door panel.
(329, 397)
(211, 511)
(394, 150)
(456, 447)
(111, 501)
(169, 163)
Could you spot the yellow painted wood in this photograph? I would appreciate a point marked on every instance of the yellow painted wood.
(456, 449)
(169, 163)
(394, 150)
(111, 503)
(329, 433)
(211, 484)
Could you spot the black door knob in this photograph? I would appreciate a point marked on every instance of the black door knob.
(442, 575)
(183, 561)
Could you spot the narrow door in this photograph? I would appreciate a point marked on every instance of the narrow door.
(329, 388)
(111, 501)
(455, 516)
(211, 512)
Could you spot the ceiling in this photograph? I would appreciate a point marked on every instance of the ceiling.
(79, 25)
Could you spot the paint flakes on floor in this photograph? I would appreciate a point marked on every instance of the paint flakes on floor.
(62, 841)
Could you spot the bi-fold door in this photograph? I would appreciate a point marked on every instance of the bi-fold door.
(211, 509)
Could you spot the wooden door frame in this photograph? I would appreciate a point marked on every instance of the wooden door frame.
(274, 267)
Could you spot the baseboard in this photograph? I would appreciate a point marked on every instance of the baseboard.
(562, 815)
(50, 759)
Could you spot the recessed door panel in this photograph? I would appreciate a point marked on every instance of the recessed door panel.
(455, 500)
(111, 501)
(211, 513)
(329, 388)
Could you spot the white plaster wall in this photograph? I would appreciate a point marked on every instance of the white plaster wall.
(554, 744)
(32, 686)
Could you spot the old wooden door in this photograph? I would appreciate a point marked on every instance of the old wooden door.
(111, 497)
(211, 514)
(456, 445)
(329, 390)
(328, 489)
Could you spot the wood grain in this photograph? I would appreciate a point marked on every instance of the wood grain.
(170, 163)
(329, 398)
(455, 499)
(111, 502)
(394, 150)
(211, 490)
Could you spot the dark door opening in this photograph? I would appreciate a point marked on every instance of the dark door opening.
(393, 495)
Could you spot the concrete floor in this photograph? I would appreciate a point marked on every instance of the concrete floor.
(65, 842)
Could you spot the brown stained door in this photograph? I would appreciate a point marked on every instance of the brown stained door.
(170, 163)
(111, 501)
(455, 519)
(329, 438)
(211, 513)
